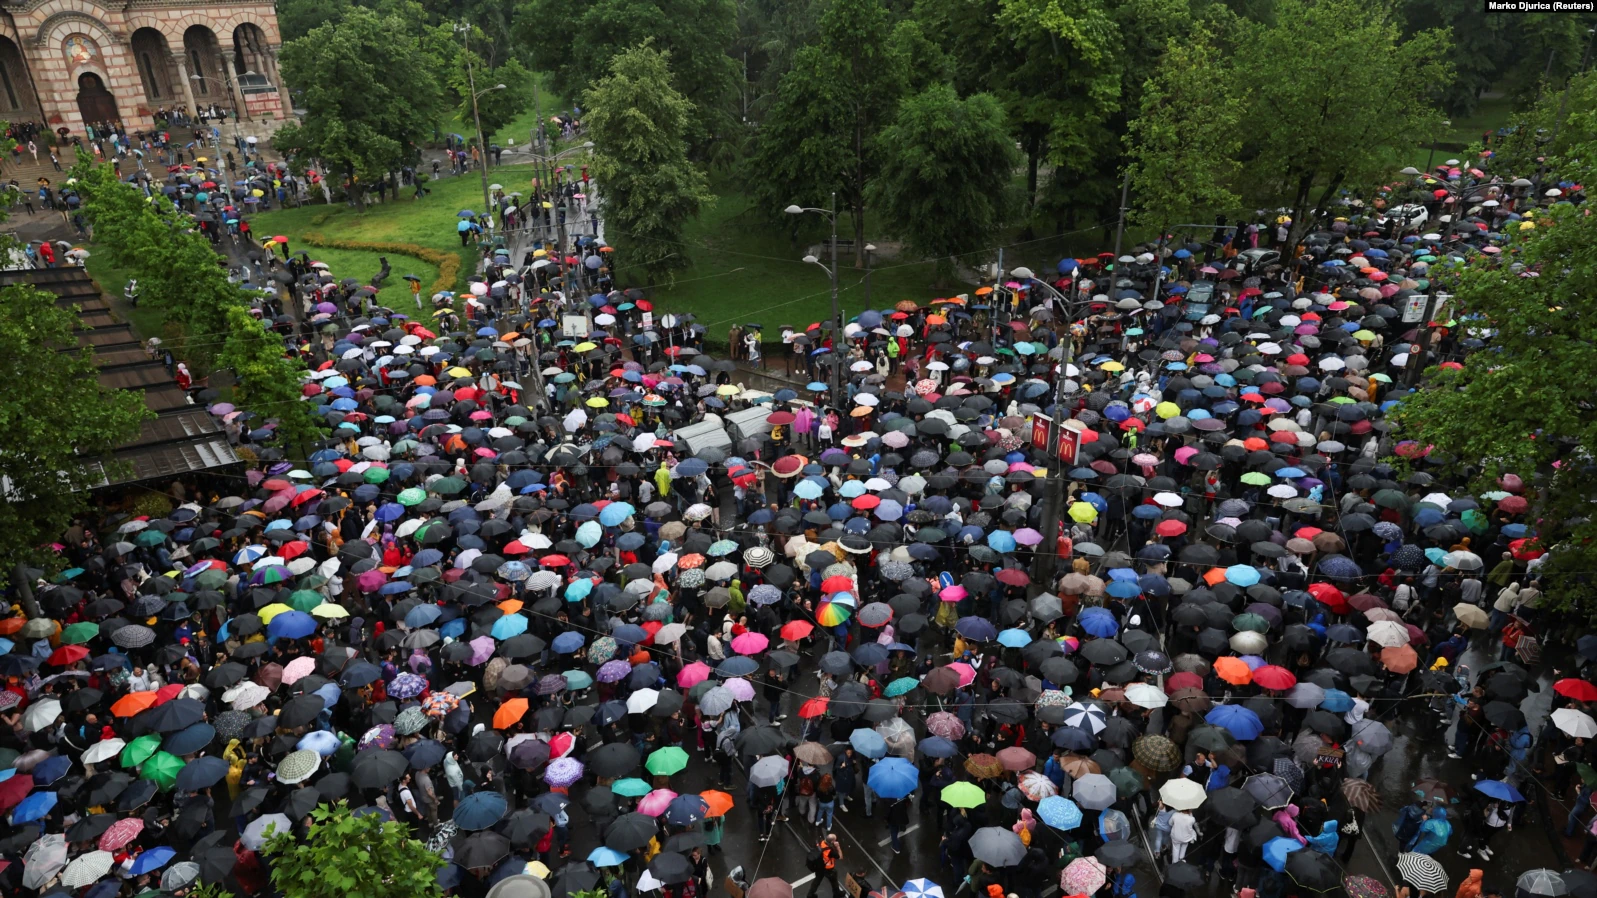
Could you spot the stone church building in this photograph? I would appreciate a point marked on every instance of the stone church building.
(71, 62)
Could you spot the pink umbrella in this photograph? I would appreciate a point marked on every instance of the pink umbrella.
(482, 648)
(750, 643)
(1084, 875)
(121, 833)
(277, 502)
(655, 803)
(945, 724)
(953, 593)
(371, 580)
(298, 669)
(1185, 453)
(741, 689)
(692, 675)
(967, 674)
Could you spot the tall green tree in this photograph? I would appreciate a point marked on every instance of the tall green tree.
(496, 106)
(946, 168)
(369, 94)
(345, 856)
(1523, 406)
(1181, 166)
(57, 427)
(264, 377)
(639, 124)
(822, 134)
(576, 44)
(1328, 98)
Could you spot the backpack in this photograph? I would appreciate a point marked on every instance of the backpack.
(814, 862)
(806, 786)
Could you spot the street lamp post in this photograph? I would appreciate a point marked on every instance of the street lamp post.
(869, 248)
(482, 141)
(837, 313)
(1054, 484)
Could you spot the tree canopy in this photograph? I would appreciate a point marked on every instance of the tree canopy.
(368, 102)
(639, 124)
(349, 856)
(57, 428)
(946, 165)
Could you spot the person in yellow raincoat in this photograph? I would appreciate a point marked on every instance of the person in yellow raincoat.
(662, 480)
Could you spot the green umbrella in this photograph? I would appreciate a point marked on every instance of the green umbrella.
(162, 769)
(1256, 478)
(447, 486)
(667, 761)
(139, 750)
(149, 538)
(964, 794)
(1390, 499)
(631, 787)
(376, 475)
(1127, 782)
(79, 633)
(901, 686)
(210, 578)
(412, 496)
(304, 599)
(1250, 621)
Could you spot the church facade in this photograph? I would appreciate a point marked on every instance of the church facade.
(68, 63)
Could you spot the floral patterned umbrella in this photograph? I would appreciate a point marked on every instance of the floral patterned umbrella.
(562, 772)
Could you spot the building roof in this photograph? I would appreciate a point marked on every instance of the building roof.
(182, 438)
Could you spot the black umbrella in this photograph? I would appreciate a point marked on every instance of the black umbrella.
(1119, 853)
(482, 849)
(613, 760)
(200, 773)
(671, 868)
(630, 832)
(377, 768)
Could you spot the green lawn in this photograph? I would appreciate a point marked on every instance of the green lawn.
(518, 131)
(1490, 113)
(428, 222)
(146, 320)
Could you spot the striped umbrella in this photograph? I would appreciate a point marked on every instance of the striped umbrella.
(1422, 872)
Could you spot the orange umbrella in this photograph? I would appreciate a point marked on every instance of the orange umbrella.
(797, 629)
(1399, 659)
(11, 625)
(134, 702)
(510, 606)
(513, 710)
(1233, 670)
(719, 802)
(814, 707)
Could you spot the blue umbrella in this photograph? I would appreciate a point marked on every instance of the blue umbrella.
(891, 778)
(1499, 790)
(323, 742)
(1336, 701)
(937, 747)
(291, 625)
(508, 626)
(613, 514)
(480, 810)
(567, 642)
(1124, 589)
(37, 805)
(691, 467)
(589, 534)
(1276, 850)
(1242, 575)
(685, 810)
(152, 859)
(1340, 567)
(606, 857)
(739, 666)
(1001, 541)
(422, 615)
(868, 743)
(1059, 812)
(1242, 722)
(978, 629)
(1014, 639)
(1102, 624)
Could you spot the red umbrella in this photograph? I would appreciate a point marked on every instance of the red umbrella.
(837, 584)
(67, 654)
(1170, 528)
(1183, 680)
(796, 630)
(554, 561)
(1272, 676)
(1329, 596)
(780, 418)
(1013, 576)
(14, 790)
(866, 502)
(815, 707)
(1579, 690)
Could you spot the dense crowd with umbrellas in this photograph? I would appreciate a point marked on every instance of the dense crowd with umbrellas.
(509, 617)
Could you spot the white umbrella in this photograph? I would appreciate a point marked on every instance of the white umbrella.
(256, 834)
(41, 714)
(1387, 634)
(1578, 724)
(86, 869)
(43, 859)
(1182, 794)
(104, 750)
(1146, 695)
(642, 700)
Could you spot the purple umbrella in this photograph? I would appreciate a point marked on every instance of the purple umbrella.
(407, 685)
(380, 736)
(482, 648)
(551, 684)
(327, 308)
(614, 671)
(562, 772)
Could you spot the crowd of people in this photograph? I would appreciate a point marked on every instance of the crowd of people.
(534, 575)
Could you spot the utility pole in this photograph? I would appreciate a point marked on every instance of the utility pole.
(1120, 229)
(837, 321)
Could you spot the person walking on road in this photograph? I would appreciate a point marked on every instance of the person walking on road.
(823, 863)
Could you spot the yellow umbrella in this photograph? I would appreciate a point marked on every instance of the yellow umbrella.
(726, 390)
(1364, 335)
(584, 346)
(458, 371)
(1083, 513)
(1167, 409)
(539, 253)
(330, 611)
(598, 402)
(1112, 366)
(257, 192)
(270, 611)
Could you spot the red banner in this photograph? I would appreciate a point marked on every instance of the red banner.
(1069, 439)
